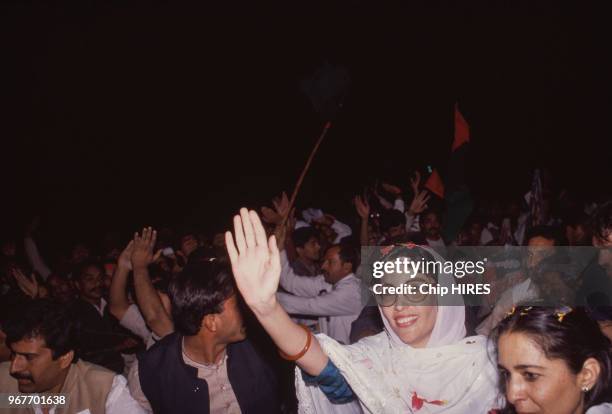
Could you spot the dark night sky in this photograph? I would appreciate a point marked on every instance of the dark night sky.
(117, 116)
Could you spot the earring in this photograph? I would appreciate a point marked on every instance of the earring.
(585, 389)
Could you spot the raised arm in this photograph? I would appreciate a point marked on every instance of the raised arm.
(147, 297)
(31, 250)
(118, 298)
(256, 267)
(363, 210)
(417, 206)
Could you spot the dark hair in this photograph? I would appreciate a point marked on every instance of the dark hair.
(187, 232)
(391, 218)
(437, 211)
(567, 334)
(475, 219)
(45, 318)
(199, 290)
(577, 217)
(602, 221)
(79, 270)
(302, 235)
(348, 253)
(546, 232)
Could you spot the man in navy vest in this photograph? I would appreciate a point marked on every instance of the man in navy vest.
(207, 365)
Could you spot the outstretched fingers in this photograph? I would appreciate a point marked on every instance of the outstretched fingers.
(247, 226)
(260, 233)
(231, 248)
(274, 259)
(240, 242)
(152, 238)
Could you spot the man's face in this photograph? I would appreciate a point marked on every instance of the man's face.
(606, 328)
(576, 235)
(325, 231)
(333, 267)
(60, 289)
(396, 231)
(605, 252)
(188, 244)
(90, 283)
(539, 248)
(79, 253)
(230, 325)
(431, 226)
(34, 368)
(311, 250)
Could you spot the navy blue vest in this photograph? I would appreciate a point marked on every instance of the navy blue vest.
(171, 386)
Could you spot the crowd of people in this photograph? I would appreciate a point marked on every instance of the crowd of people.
(271, 315)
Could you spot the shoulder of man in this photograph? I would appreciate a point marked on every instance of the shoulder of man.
(89, 371)
(160, 347)
(90, 383)
(350, 281)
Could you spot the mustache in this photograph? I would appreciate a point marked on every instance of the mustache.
(19, 376)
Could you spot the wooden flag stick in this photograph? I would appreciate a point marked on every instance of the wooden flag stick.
(305, 170)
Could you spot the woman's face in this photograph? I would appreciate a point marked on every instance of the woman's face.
(411, 322)
(534, 383)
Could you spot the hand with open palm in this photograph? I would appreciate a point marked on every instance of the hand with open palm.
(255, 261)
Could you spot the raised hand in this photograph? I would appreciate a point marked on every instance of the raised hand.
(362, 206)
(270, 216)
(125, 258)
(281, 205)
(143, 245)
(28, 285)
(280, 211)
(255, 262)
(419, 203)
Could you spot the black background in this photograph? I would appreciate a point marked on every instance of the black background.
(120, 114)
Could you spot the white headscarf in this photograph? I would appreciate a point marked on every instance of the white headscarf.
(452, 374)
(449, 327)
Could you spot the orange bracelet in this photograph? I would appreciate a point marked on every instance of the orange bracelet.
(303, 352)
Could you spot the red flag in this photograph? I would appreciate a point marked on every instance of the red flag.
(462, 130)
(434, 184)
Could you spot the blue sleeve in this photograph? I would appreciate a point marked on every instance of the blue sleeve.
(332, 383)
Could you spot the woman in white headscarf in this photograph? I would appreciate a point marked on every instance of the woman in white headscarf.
(421, 363)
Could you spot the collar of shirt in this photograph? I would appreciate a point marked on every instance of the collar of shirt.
(204, 369)
(101, 308)
(346, 279)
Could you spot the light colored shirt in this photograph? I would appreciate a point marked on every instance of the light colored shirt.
(486, 236)
(118, 401)
(600, 409)
(337, 308)
(133, 320)
(221, 396)
(100, 308)
(342, 230)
